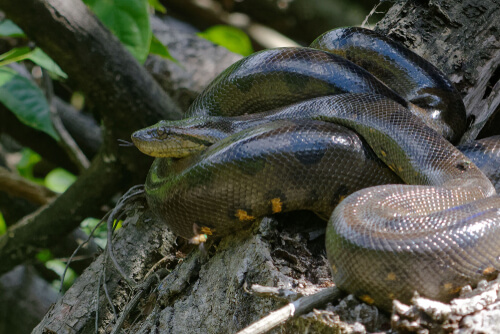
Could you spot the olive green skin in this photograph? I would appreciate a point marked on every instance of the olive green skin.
(241, 176)
(382, 242)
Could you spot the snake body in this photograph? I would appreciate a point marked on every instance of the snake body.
(383, 242)
(408, 74)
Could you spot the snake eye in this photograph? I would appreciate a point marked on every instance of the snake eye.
(161, 132)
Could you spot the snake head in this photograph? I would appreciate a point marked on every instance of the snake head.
(177, 139)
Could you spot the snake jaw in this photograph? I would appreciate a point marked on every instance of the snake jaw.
(164, 142)
(179, 139)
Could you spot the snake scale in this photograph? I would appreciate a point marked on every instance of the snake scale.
(338, 128)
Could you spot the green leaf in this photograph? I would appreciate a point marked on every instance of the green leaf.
(128, 20)
(41, 59)
(100, 235)
(10, 29)
(157, 6)
(37, 56)
(58, 267)
(161, 50)
(3, 226)
(15, 54)
(231, 38)
(59, 180)
(44, 255)
(25, 166)
(26, 101)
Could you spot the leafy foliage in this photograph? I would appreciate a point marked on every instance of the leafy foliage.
(161, 50)
(100, 234)
(26, 101)
(59, 180)
(25, 166)
(128, 20)
(10, 29)
(45, 256)
(36, 55)
(231, 38)
(3, 226)
(157, 6)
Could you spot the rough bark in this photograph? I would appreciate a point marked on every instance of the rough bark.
(476, 311)
(462, 40)
(76, 310)
(208, 295)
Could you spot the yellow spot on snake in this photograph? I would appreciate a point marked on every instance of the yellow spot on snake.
(334, 269)
(391, 276)
(341, 198)
(206, 230)
(392, 295)
(383, 153)
(367, 299)
(489, 271)
(400, 169)
(452, 289)
(277, 205)
(242, 215)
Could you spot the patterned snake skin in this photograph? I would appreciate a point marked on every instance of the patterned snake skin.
(325, 131)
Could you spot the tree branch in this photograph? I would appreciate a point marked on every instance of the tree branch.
(50, 223)
(462, 40)
(15, 185)
(120, 89)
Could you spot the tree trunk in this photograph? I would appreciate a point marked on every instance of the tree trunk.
(208, 294)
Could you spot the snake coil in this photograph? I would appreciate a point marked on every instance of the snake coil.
(347, 120)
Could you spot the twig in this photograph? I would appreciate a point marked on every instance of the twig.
(78, 248)
(67, 142)
(298, 307)
(106, 291)
(373, 11)
(16, 186)
(132, 303)
(282, 295)
(157, 264)
(131, 194)
(96, 323)
(102, 277)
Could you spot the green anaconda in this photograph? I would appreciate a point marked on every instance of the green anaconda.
(302, 128)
